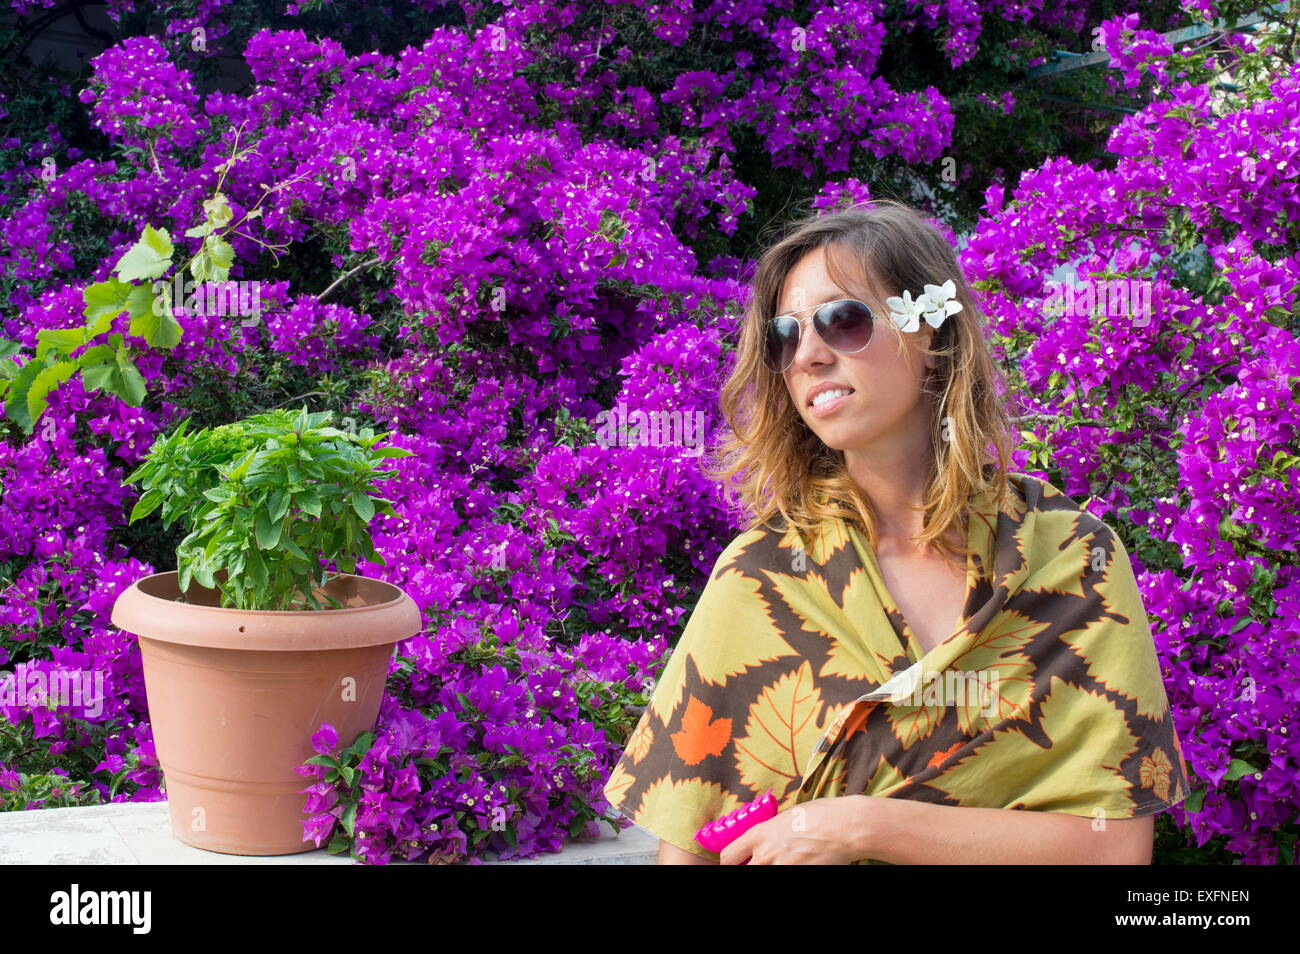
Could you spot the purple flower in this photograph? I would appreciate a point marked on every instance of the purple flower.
(325, 740)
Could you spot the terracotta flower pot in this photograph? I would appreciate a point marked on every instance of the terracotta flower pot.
(235, 695)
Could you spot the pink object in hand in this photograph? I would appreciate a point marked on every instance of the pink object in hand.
(716, 835)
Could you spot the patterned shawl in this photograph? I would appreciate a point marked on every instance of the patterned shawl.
(797, 672)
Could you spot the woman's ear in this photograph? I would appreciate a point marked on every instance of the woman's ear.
(926, 341)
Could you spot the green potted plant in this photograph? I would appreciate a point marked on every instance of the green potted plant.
(263, 631)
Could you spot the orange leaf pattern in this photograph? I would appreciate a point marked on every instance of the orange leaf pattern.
(701, 735)
(798, 673)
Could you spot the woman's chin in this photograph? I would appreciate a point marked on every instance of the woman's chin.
(839, 438)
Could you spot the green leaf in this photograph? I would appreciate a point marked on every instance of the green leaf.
(216, 214)
(65, 340)
(309, 502)
(268, 530)
(146, 505)
(133, 388)
(118, 377)
(286, 543)
(359, 747)
(221, 255)
(16, 403)
(339, 844)
(1237, 768)
(46, 381)
(98, 376)
(363, 505)
(217, 210)
(349, 818)
(104, 301)
(95, 355)
(256, 568)
(203, 574)
(148, 258)
(152, 320)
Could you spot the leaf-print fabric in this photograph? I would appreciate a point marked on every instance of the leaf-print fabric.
(797, 672)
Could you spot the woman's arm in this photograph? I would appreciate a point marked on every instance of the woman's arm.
(904, 831)
(670, 854)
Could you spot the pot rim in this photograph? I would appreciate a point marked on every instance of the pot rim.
(398, 594)
(226, 627)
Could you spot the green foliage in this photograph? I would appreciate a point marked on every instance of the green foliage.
(108, 365)
(141, 286)
(46, 780)
(1172, 845)
(270, 503)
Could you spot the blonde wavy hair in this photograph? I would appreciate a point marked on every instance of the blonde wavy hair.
(772, 463)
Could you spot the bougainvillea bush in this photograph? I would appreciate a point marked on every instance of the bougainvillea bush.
(1180, 423)
(488, 240)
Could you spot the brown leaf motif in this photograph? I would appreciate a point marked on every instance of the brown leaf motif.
(1154, 772)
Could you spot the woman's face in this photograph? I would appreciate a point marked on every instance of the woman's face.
(884, 409)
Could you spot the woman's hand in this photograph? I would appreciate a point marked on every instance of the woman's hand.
(824, 831)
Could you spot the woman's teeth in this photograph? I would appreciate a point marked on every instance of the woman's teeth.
(825, 396)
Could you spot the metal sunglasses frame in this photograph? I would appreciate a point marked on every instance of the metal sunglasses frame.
(815, 309)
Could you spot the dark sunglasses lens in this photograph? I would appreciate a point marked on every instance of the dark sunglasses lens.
(782, 343)
(845, 325)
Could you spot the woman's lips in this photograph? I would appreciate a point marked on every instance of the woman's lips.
(831, 406)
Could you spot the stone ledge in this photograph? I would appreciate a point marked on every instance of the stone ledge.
(139, 833)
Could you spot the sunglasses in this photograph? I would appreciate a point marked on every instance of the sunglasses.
(845, 324)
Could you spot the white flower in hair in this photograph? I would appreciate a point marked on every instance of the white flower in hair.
(906, 312)
(935, 305)
(941, 301)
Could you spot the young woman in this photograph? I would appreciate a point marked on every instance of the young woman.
(923, 656)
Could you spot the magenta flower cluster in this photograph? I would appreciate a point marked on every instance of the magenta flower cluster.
(1180, 422)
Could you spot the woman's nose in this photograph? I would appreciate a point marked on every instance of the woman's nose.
(812, 350)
